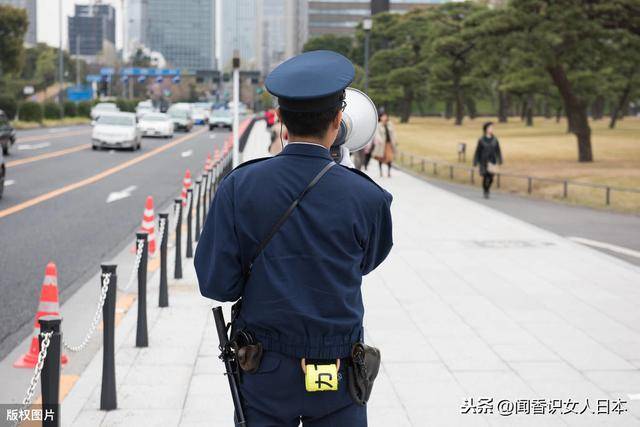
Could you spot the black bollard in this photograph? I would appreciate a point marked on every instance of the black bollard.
(177, 269)
(205, 178)
(108, 399)
(190, 223)
(199, 186)
(163, 295)
(142, 336)
(50, 375)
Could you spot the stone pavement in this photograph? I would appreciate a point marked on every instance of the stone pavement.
(471, 303)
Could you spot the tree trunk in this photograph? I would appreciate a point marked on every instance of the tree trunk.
(523, 108)
(619, 107)
(448, 109)
(459, 101)
(405, 106)
(471, 106)
(503, 105)
(546, 108)
(558, 114)
(529, 109)
(576, 112)
(597, 108)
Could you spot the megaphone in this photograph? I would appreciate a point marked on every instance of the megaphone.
(359, 123)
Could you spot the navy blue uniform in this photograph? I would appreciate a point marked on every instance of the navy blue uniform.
(303, 298)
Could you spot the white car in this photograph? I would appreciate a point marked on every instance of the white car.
(142, 110)
(116, 130)
(181, 115)
(156, 124)
(102, 108)
(221, 118)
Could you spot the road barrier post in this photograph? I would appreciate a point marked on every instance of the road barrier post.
(529, 185)
(608, 196)
(498, 180)
(565, 189)
(199, 192)
(163, 295)
(177, 269)
(472, 176)
(451, 172)
(108, 399)
(190, 223)
(142, 336)
(50, 374)
(435, 169)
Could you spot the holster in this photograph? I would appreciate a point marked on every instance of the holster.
(247, 349)
(362, 371)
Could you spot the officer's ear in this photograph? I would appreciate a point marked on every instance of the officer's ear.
(336, 120)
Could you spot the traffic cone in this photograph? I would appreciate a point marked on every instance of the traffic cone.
(216, 155)
(186, 184)
(49, 305)
(208, 164)
(149, 225)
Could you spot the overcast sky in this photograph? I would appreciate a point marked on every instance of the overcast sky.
(49, 22)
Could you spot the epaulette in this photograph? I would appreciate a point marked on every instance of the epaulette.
(364, 175)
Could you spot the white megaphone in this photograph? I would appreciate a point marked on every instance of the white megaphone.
(359, 123)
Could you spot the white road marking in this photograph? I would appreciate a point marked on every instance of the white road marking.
(56, 130)
(32, 146)
(9, 182)
(187, 153)
(607, 246)
(122, 194)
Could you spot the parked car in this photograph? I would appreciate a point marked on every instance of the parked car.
(3, 171)
(181, 116)
(156, 124)
(221, 118)
(7, 133)
(103, 107)
(116, 130)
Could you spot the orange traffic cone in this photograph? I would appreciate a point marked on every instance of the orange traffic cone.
(49, 305)
(208, 164)
(149, 225)
(186, 184)
(217, 155)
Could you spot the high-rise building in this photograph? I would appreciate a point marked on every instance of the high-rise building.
(136, 22)
(282, 31)
(239, 31)
(31, 6)
(92, 30)
(183, 31)
(342, 17)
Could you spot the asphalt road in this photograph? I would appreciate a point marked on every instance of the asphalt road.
(55, 209)
(597, 226)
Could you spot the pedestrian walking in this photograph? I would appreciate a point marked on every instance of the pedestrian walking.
(288, 238)
(384, 145)
(487, 157)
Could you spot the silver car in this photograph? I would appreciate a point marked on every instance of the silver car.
(116, 130)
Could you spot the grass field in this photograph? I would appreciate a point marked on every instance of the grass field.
(545, 150)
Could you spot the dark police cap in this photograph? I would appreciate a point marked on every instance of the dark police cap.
(311, 82)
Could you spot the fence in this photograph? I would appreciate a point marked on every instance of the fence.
(627, 199)
(51, 342)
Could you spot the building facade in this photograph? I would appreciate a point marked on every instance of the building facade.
(239, 31)
(183, 31)
(31, 6)
(92, 30)
(135, 23)
(342, 17)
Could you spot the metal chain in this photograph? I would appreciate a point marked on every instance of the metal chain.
(106, 279)
(46, 339)
(136, 265)
(188, 204)
(161, 236)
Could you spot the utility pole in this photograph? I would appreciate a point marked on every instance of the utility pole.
(60, 65)
(367, 23)
(77, 60)
(236, 107)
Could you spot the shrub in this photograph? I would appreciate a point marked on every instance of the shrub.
(9, 105)
(51, 110)
(30, 111)
(70, 109)
(126, 105)
(84, 109)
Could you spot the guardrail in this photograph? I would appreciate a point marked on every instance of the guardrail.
(49, 353)
(603, 195)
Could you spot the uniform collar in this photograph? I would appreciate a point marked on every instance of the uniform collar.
(306, 149)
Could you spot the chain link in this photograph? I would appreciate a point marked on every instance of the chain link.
(46, 339)
(161, 232)
(134, 272)
(106, 279)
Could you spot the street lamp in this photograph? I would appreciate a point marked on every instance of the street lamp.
(367, 23)
(236, 100)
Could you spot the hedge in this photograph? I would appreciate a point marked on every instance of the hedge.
(51, 110)
(84, 109)
(70, 109)
(9, 106)
(30, 111)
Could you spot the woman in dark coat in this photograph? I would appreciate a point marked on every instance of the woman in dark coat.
(487, 156)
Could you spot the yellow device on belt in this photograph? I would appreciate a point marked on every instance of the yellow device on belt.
(321, 376)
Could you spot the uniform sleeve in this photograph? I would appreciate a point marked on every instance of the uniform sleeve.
(380, 237)
(217, 259)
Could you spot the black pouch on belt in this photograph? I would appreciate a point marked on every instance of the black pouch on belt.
(362, 371)
(248, 351)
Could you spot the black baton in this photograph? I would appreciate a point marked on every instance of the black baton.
(227, 356)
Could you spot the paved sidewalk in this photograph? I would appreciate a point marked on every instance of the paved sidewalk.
(471, 303)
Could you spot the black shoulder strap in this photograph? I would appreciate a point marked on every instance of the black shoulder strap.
(287, 214)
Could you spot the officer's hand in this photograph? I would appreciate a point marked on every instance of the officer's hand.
(346, 157)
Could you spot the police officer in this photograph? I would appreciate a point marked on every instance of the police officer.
(302, 299)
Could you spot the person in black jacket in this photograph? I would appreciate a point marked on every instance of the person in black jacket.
(487, 156)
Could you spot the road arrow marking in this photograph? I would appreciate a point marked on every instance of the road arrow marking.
(9, 182)
(123, 194)
(187, 153)
(33, 146)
